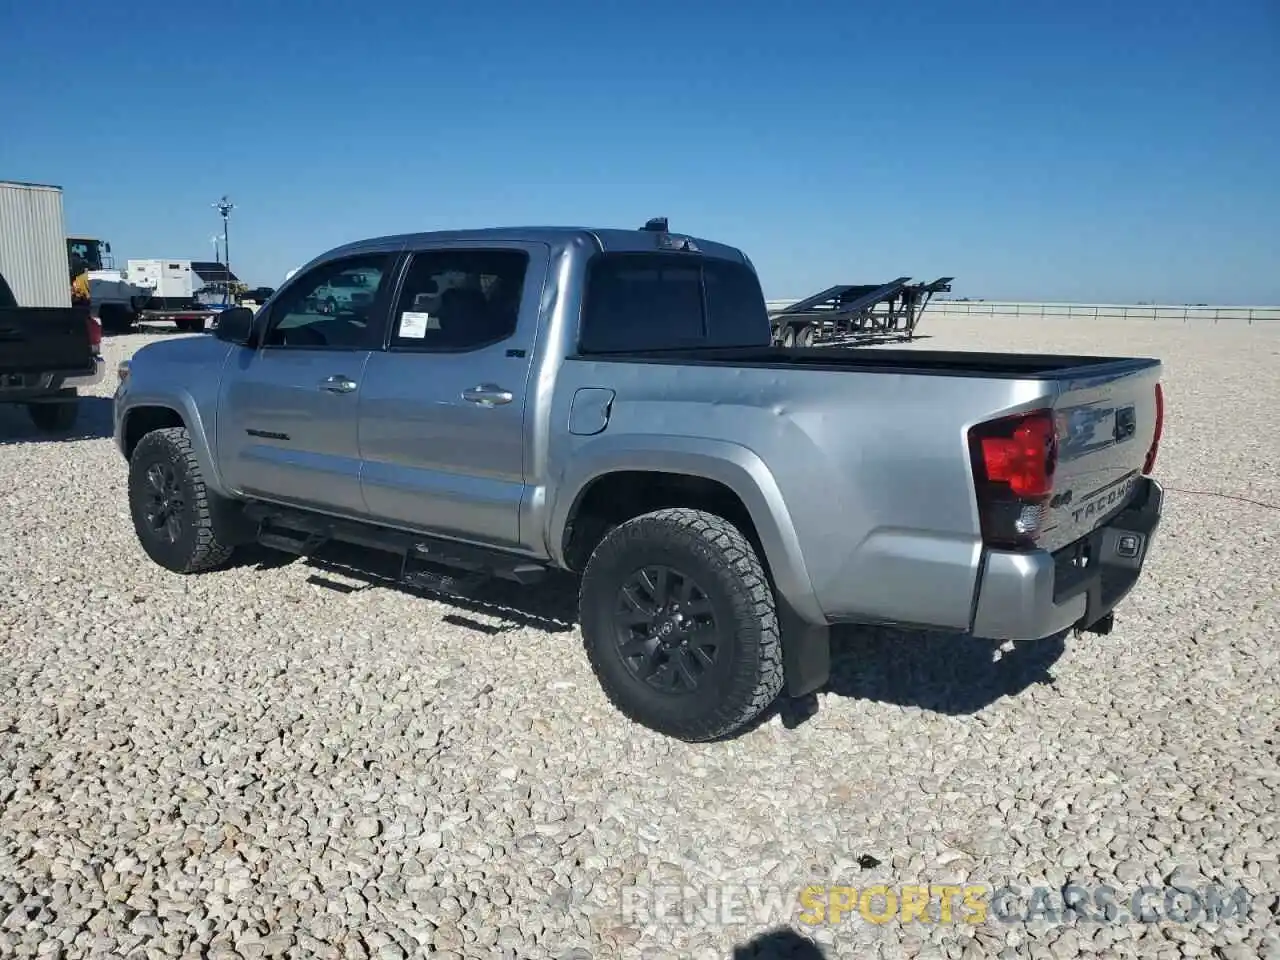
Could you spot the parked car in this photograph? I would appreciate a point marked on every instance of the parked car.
(608, 402)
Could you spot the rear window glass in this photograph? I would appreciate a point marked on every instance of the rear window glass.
(7, 299)
(735, 304)
(670, 301)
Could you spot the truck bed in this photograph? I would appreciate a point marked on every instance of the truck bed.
(943, 363)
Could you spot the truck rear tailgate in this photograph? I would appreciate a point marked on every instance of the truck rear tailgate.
(1106, 426)
(36, 340)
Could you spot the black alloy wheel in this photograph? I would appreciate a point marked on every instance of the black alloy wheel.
(164, 502)
(666, 629)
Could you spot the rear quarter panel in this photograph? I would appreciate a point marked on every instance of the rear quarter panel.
(871, 470)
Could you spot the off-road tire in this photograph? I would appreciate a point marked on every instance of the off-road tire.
(57, 417)
(715, 553)
(115, 318)
(200, 545)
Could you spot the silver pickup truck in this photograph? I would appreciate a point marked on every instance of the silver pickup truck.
(608, 402)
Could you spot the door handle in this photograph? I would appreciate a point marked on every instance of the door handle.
(338, 384)
(487, 395)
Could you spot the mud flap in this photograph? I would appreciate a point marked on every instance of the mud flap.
(806, 652)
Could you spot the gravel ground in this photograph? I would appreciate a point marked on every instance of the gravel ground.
(265, 762)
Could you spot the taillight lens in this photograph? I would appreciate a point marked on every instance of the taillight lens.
(95, 330)
(1014, 460)
(1154, 451)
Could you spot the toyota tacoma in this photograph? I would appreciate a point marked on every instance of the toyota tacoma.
(506, 402)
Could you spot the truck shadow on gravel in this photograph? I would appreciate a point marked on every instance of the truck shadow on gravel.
(781, 944)
(942, 672)
(92, 423)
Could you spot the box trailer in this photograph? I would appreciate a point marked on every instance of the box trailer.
(33, 244)
(181, 291)
(171, 281)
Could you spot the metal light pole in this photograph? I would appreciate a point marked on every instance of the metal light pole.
(217, 254)
(224, 207)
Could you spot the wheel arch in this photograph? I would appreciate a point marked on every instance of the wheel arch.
(716, 475)
(146, 414)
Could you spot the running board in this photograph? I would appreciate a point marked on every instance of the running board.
(288, 541)
(449, 583)
(301, 532)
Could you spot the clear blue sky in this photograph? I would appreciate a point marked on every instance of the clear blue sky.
(1086, 150)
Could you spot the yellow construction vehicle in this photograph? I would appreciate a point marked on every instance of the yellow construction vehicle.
(79, 282)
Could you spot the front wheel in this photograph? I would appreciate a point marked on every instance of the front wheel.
(170, 504)
(679, 624)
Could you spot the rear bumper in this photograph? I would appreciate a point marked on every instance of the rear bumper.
(88, 379)
(36, 386)
(1026, 596)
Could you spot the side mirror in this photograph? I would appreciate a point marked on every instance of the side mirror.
(235, 325)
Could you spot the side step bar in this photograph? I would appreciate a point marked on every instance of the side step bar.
(301, 532)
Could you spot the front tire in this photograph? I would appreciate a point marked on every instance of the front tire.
(170, 504)
(679, 624)
(54, 417)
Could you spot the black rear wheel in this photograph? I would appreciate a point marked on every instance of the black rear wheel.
(679, 624)
(666, 630)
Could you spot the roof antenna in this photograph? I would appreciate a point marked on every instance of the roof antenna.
(657, 225)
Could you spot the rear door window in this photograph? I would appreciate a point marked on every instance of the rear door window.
(459, 300)
(646, 302)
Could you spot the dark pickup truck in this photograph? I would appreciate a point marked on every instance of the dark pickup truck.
(46, 355)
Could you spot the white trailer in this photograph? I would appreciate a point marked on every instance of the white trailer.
(173, 293)
(171, 282)
(33, 244)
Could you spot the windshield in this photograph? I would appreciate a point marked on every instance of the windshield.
(90, 251)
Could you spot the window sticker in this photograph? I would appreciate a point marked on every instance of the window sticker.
(414, 325)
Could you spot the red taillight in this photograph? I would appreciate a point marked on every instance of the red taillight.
(1025, 459)
(1154, 450)
(1014, 459)
(95, 330)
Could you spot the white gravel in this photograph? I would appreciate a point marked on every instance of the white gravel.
(249, 764)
